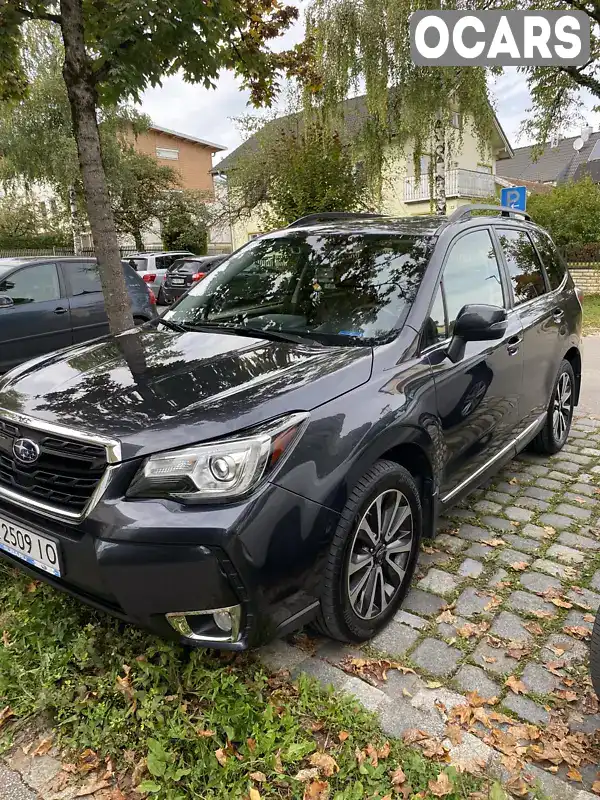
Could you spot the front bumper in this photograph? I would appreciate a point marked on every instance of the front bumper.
(144, 560)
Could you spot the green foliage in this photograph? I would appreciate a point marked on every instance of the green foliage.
(184, 222)
(130, 696)
(570, 212)
(23, 226)
(293, 170)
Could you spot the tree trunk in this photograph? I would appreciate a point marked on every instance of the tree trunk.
(81, 90)
(139, 242)
(74, 221)
(439, 166)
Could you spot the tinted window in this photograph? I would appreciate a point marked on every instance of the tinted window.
(83, 277)
(555, 266)
(345, 287)
(523, 265)
(435, 327)
(138, 264)
(187, 267)
(32, 284)
(471, 275)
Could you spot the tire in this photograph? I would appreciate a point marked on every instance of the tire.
(595, 655)
(139, 321)
(352, 614)
(553, 437)
(160, 298)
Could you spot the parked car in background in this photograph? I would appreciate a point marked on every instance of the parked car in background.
(153, 267)
(271, 452)
(185, 272)
(46, 304)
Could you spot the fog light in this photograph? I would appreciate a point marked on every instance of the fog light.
(223, 468)
(223, 620)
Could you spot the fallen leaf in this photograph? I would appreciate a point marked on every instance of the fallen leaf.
(517, 786)
(343, 735)
(533, 628)
(542, 614)
(441, 786)
(477, 701)
(259, 777)
(564, 694)
(317, 726)
(433, 748)
(489, 659)
(88, 760)
(434, 685)
(31, 587)
(372, 754)
(554, 667)
(405, 692)
(43, 747)
(254, 794)
(446, 617)
(277, 763)
(519, 566)
(5, 714)
(454, 733)
(470, 629)
(307, 775)
(578, 632)
(588, 618)
(326, 764)
(515, 685)
(317, 790)
(574, 775)
(549, 530)
(560, 603)
(513, 481)
(558, 651)
(397, 777)
(221, 756)
(414, 735)
(208, 733)
(92, 787)
(496, 543)
(596, 787)
(373, 670)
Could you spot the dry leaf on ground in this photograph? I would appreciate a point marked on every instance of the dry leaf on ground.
(578, 632)
(574, 775)
(307, 774)
(92, 787)
(326, 764)
(254, 794)
(441, 786)
(221, 756)
(88, 760)
(5, 714)
(397, 777)
(317, 790)
(43, 747)
(519, 566)
(343, 735)
(259, 777)
(515, 685)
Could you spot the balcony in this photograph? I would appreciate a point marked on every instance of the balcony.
(459, 183)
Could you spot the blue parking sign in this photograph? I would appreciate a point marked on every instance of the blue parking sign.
(514, 197)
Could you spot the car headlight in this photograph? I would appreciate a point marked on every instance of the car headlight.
(219, 470)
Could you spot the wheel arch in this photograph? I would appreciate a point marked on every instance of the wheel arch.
(573, 356)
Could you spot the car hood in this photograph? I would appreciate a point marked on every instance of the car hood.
(154, 390)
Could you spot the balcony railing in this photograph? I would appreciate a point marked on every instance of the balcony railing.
(459, 183)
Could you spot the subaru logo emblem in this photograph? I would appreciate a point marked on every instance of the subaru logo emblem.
(26, 451)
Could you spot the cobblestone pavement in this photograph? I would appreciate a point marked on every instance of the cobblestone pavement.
(502, 604)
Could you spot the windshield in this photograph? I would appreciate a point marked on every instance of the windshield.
(186, 267)
(343, 288)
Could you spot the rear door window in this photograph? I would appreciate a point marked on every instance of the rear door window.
(84, 277)
(36, 284)
(138, 264)
(551, 259)
(523, 264)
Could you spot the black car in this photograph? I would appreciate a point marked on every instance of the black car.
(271, 452)
(184, 273)
(49, 303)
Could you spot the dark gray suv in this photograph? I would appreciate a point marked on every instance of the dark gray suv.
(50, 303)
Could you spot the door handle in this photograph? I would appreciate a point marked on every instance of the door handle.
(513, 345)
(60, 310)
(558, 314)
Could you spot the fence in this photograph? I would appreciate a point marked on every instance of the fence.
(216, 249)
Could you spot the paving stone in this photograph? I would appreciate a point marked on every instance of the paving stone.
(565, 554)
(539, 680)
(552, 568)
(395, 639)
(423, 603)
(470, 568)
(436, 657)
(334, 652)
(498, 524)
(577, 541)
(538, 493)
(577, 458)
(522, 543)
(368, 696)
(561, 477)
(595, 582)
(568, 467)
(508, 488)
(532, 504)
(280, 655)
(397, 684)
(584, 723)
(502, 664)
(427, 560)
(450, 630)
(518, 514)
(498, 577)
(461, 513)
(591, 451)
(579, 499)
(584, 489)
(478, 550)
(532, 531)
(524, 601)
(450, 543)
(325, 673)
(556, 521)
(527, 709)
(474, 679)
(509, 626)
(472, 533)
(510, 556)
(577, 619)
(536, 470)
(590, 599)
(396, 716)
(438, 582)
(538, 583)
(498, 497)
(487, 507)
(410, 619)
(549, 483)
(472, 602)
(577, 512)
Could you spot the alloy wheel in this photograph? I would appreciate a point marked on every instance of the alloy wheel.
(379, 554)
(563, 401)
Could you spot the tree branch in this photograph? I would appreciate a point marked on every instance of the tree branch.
(582, 6)
(103, 71)
(39, 15)
(583, 80)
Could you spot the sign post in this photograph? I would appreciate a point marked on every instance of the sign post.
(514, 197)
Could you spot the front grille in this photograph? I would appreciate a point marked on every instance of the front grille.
(65, 475)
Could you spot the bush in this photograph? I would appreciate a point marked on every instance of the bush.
(35, 241)
(570, 212)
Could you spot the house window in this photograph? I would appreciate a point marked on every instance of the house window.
(169, 154)
(456, 120)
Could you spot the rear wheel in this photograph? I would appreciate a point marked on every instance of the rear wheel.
(161, 298)
(372, 556)
(139, 320)
(555, 432)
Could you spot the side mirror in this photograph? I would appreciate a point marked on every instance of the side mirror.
(476, 324)
(6, 301)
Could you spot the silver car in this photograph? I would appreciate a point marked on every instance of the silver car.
(153, 267)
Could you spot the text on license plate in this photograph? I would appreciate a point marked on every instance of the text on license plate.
(36, 550)
(177, 281)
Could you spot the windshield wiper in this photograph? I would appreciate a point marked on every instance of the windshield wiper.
(248, 330)
(174, 326)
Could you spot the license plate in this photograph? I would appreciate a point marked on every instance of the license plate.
(177, 281)
(39, 551)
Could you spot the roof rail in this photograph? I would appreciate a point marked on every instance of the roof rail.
(328, 216)
(467, 211)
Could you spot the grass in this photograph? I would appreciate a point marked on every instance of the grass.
(139, 700)
(591, 313)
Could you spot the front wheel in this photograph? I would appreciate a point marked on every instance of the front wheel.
(555, 432)
(372, 556)
(595, 655)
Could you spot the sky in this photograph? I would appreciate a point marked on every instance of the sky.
(209, 114)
